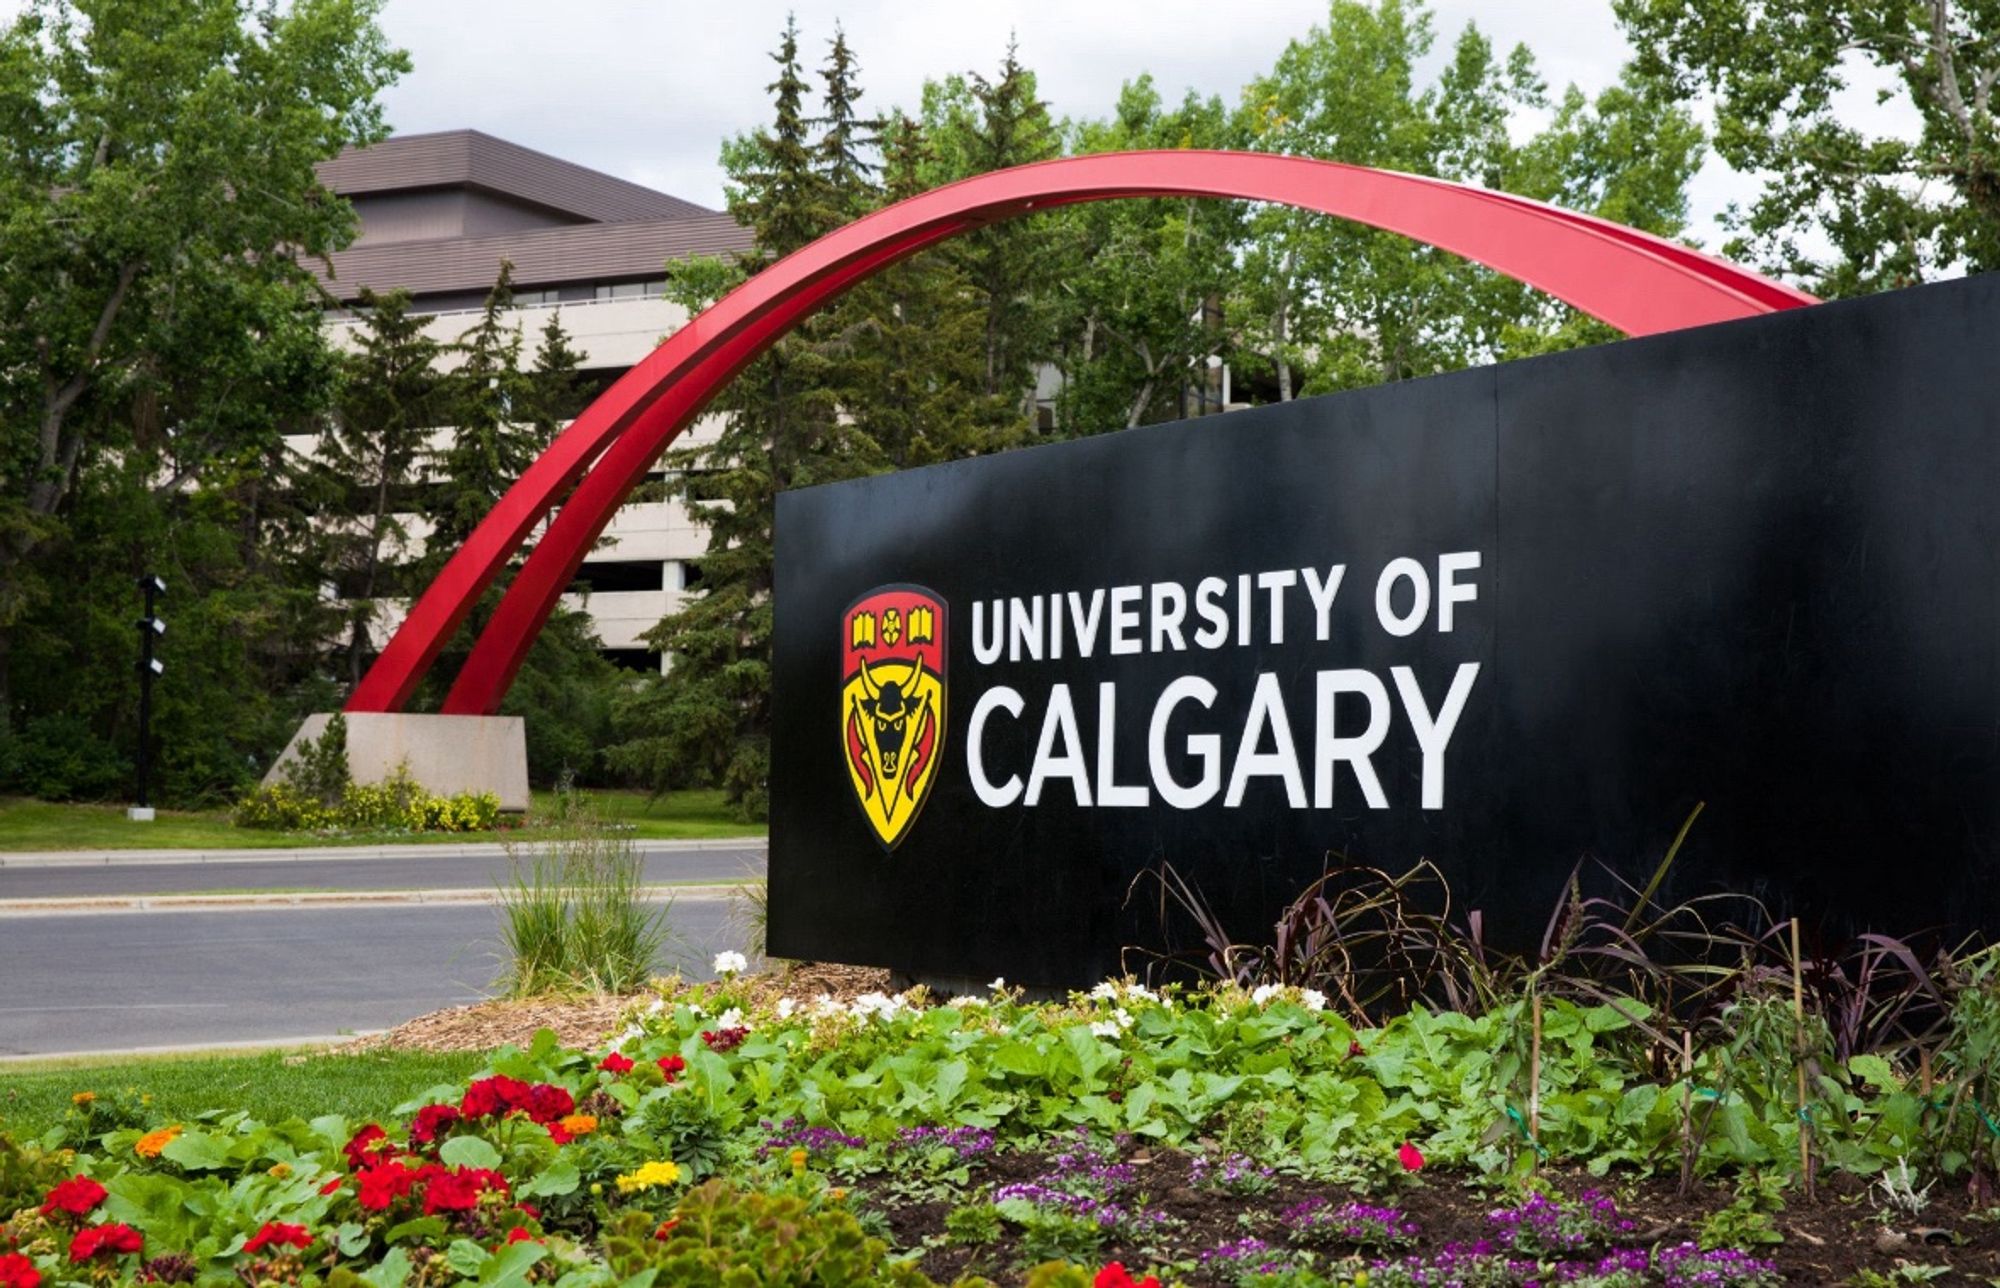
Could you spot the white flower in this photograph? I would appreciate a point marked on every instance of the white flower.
(731, 1019)
(1265, 992)
(1111, 1028)
(825, 1005)
(1141, 992)
(879, 1005)
(731, 963)
(632, 1031)
(786, 1006)
(999, 983)
(1313, 998)
(1105, 992)
(657, 1005)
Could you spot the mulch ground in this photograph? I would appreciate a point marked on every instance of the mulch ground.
(588, 1021)
(1826, 1241)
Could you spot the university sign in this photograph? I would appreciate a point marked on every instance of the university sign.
(1506, 620)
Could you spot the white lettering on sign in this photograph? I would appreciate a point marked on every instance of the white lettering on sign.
(1199, 753)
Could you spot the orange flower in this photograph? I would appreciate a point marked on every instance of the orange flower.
(83, 1097)
(153, 1142)
(579, 1124)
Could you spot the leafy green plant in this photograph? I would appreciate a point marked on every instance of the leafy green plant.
(1746, 1222)
(723, 1237)
(973, 1225)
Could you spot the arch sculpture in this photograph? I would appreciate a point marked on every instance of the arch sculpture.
(1636, 282)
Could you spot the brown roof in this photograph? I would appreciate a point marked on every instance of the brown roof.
(468, 158)
(541, 257)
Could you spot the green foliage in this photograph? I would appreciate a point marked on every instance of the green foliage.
(1900, 206)
(972, 1225)
(726, 1237)
(158, 338)
(27, 1172)
(1747, 1221)
(318, 770)
(578, 917)
(397, 804)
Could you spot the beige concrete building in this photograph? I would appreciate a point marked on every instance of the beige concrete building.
(439, 212)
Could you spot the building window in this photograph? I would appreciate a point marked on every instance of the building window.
(632, 290)
(605, 575)
(634, 659)
(537, 299)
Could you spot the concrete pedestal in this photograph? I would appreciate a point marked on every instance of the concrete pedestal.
(447, 754)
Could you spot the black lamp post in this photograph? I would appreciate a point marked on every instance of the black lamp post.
(150, 629)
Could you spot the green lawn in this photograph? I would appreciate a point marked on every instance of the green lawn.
(43, 825)
(271, 1085)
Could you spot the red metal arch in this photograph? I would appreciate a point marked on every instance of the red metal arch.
(1632, 280)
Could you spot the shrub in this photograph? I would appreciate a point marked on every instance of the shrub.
(396, 804)
(724, 1236)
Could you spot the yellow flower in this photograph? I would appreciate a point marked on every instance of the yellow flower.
(83, 1097)
(579, 1124)
(153, 1142)
(281, 1170)
(798, 1161)
(836, 1193)
(649, 1176)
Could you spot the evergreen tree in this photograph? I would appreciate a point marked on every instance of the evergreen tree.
(490, 445)
(709, 719)
(976, 125)
(555, 385)
(370, 461)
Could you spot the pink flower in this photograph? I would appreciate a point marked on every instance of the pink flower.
(1410, 1157)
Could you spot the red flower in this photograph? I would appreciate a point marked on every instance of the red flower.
(93, 1239)
(529, 1210)
(459, 1191)
(370, 1145)
(546, 1102)
(1410, 1157)
(1354, 1050)
(431, 1121)
(332, 1186)
(492, 1096)
(560, 1134)
(616, 1062)
(16, 1271)
(276, 1234)
(76, 1196)
(384, 1183)
(671, 1066)
(724, 1039)
(519, 1234)
(1116, 1276)
(666, 1228)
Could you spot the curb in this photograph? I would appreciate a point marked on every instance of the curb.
(197, 1048)
(336, 899)
(356, 853)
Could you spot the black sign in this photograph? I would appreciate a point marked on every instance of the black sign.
(1504, 619)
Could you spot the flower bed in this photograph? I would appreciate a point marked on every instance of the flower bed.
(1212, 1138)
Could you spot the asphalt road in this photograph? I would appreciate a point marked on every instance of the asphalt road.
(128, 980)
(727, 861)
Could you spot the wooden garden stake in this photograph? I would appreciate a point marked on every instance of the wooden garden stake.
(1687, 1111)
(1799, 1060)
(1535, 1071)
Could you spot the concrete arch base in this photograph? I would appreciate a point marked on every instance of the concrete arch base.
(447, 754)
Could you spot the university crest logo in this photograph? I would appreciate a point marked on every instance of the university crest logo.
(892, 703)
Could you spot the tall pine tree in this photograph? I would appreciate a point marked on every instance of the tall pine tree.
(709, 719)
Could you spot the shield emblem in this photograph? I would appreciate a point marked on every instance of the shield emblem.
(892, 703)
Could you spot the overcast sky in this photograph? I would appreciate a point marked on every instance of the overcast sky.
(648, 89)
